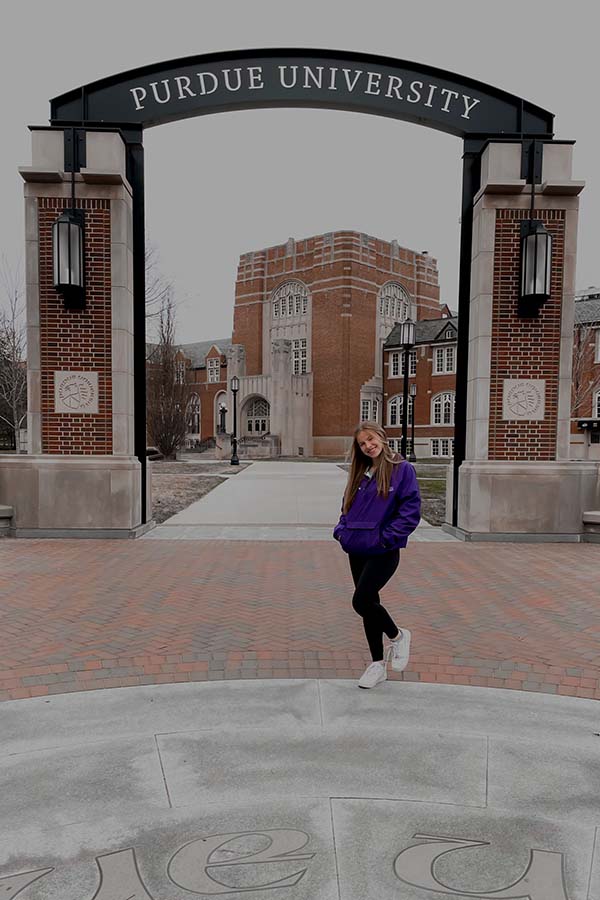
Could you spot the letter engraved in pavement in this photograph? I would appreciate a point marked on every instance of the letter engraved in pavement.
(120, 877)
(543, 879)
(189, 866)
(11, 885)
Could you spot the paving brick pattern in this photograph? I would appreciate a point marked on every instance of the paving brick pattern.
(81, 615)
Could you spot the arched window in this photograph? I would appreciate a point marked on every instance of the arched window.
(596, 406)
(290, 299)
(442, 408)
(395, 410)
(257, 416)
(394, 302)
(194, 414)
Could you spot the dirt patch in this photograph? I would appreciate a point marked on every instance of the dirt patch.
(167, 467)
(433, 510)
(175, 485)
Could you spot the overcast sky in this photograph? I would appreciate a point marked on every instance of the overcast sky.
(218, 186)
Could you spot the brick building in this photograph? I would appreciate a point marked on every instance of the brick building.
(432, 374)
(315, 345)
(310, 320)
(585, 422)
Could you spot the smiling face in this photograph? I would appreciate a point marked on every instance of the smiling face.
(370, 443)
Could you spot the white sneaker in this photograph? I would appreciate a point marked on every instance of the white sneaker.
(373, 674)
(399, 650)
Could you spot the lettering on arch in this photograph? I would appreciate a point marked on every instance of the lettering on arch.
(221, 82)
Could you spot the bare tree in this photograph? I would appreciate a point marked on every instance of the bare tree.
(167, 391)
(586, 374)
(159, 289)
(13, 367)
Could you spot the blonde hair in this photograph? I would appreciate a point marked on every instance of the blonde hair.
(359, 463)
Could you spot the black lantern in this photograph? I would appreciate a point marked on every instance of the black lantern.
(407, 333)
(536, 267)
(68, 261)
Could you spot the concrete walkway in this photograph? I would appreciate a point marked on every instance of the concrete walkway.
(307, 790)
(270, 500)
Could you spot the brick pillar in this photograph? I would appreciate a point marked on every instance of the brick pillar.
(517, 478)
(80, 476)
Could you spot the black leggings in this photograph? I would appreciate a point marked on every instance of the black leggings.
(370, 574)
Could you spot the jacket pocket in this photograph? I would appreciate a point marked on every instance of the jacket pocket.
(361, 537)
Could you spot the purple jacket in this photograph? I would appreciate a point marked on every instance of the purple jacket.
(375, 524)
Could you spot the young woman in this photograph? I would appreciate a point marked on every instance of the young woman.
(381, 507)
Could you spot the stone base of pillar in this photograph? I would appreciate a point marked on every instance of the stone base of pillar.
(223, 447)
(72, 496)
(524, 501)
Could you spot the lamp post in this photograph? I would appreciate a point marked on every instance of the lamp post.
(222, 414)
(407, 340)
(413, 393)
(235, 386)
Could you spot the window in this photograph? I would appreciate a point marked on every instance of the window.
(179, 371)
(443, 360)
(394, 302)
(369, 410)
(299, 356)
(257, 416)
(597, 357)
(396, 443)
(213, 368)
(397, 363)
(443, 409)
(442, 447)
(596, 405)
(412, 363)
(290, 299)
(395, 410)
(194, 414)
(449, 334)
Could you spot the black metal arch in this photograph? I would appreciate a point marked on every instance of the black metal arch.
(332, 79)
(278, 78)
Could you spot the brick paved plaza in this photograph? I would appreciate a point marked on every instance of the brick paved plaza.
(80, 615)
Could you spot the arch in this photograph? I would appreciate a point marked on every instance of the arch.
(255, 416)
(220, 398)
(394, 302)
(171, 90)
(333, 79)
(289, 300)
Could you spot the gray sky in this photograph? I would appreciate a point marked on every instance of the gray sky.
(217, 186)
